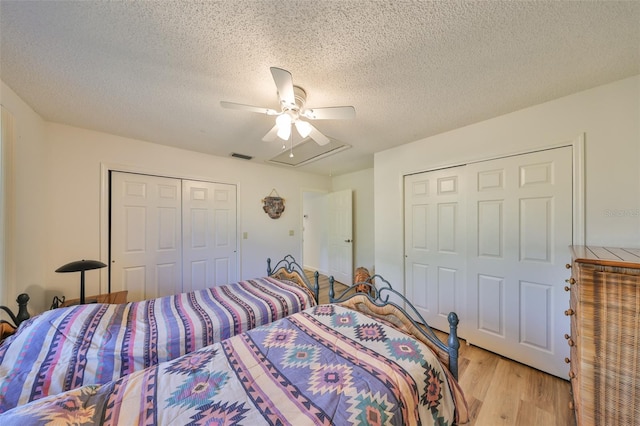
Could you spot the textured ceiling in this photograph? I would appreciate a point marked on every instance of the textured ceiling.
(157, 70)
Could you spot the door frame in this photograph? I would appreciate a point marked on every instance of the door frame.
(105, 215)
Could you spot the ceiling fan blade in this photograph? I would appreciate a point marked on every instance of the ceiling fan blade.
(284, 83)
(242, 107)
(318, 137)
(330, 113)
(271, 135)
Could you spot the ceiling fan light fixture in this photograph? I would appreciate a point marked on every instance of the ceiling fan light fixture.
(303, 128)
(283, 120)
(284, 133)
(284, 126)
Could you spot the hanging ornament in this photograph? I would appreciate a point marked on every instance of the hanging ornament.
(273, 205)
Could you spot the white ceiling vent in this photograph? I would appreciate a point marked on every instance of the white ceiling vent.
(308, 151)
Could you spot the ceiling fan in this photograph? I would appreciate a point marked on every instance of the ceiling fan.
(292, 110)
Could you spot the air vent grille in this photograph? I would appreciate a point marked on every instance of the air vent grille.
(242, 156)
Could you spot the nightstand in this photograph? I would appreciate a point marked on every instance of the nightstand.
(111, 298)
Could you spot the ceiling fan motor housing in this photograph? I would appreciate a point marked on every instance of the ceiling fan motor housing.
(300, 96)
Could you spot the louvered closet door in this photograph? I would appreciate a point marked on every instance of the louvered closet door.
(209, 234)
(146, 245)
(520, 227)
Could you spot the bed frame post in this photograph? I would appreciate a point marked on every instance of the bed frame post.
(269, 266)
(23, 313)
(453, 343)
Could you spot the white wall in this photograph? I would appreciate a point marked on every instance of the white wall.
(26, 248)
(361, 183)
(60, 207)
(608, 115)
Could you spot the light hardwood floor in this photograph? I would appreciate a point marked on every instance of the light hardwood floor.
(500, 391)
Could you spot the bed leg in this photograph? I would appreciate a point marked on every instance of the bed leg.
(453, 343)
(316, 286)
(331, 291)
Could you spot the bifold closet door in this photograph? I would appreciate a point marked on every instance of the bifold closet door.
(146, 236)
(171, 235)
(489, 240)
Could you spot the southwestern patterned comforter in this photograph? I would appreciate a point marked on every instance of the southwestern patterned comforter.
(70, 347)
(326, 365)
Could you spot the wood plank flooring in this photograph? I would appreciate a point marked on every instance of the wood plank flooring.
(500, 391)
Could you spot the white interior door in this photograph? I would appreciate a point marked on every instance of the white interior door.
(209, 234)
(341, 235)
(146, 253)
(435, 244)
(492, 247)
(520, 225)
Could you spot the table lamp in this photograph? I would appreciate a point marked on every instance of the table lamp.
(81, 265)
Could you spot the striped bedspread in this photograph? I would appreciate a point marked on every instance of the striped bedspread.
(326, 365)
(70, 347)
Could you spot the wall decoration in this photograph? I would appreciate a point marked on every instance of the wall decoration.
(273, 205)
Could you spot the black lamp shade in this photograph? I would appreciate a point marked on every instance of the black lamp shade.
(81, 266)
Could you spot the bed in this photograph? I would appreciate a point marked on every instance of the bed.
(66, 348)
(358, 361)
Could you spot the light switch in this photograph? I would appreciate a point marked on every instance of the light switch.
(291, 232)
(245, 235)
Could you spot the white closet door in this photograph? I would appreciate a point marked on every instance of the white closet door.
(170, 235)
(209, 234)
(520, 227)
(146, 246)
(435, 238)
(489, 241)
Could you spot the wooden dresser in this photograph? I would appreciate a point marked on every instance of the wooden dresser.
(605, 335)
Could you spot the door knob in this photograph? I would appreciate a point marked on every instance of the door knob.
(347, 241)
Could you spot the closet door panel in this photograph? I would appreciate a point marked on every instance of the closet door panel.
(146, 247)
(520, 225)
(209, 234)
(435, 244)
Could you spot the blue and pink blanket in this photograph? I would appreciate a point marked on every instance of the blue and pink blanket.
(325, 365)
(66, 348)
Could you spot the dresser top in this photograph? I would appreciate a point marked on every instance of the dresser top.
(610, 256)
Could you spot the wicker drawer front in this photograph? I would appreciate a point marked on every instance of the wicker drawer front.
(616, 359)
(605, 358)
(574, 365)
